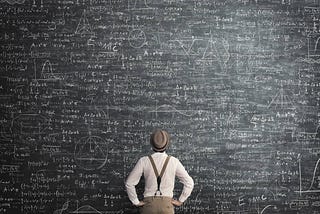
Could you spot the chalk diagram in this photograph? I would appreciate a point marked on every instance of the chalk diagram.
(47, 71)
(137, 38)
(281, 101)
(315, 181)
(313, 46)
(211, 51)
(84, 27)
(28, 126)
(91, 153)
(12, 1)
(268, 207)
(63, 208)
(171, 110)
(138, 5)
(280, 110)
(69, 207)
(188, 46)
(86, 209)
(204, 49)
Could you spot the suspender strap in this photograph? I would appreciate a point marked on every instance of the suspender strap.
(157, 173)
(154, 166)
(164, 166)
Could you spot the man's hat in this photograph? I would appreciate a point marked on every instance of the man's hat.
(159, 140)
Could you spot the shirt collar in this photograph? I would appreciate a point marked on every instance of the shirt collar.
(160, 153)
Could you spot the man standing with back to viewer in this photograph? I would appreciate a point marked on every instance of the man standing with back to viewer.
(159, 170)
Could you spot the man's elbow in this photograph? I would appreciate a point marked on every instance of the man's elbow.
(127, 184)
(191, 183)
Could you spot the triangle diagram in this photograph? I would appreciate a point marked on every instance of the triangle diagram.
(281, 101)
(210, 51)
(83, 26)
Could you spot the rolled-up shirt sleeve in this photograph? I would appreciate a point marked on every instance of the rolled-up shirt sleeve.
(132, 180)
(186, 180)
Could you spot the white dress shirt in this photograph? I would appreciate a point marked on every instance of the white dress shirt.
(144, 167)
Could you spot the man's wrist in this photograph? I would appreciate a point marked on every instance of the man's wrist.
(180, 200)
(135, 202)
(176, 202)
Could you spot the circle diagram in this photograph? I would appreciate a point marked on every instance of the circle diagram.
(91, 153)
(137, 38)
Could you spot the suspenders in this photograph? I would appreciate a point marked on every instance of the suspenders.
(156, 171)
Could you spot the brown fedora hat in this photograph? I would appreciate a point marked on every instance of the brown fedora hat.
(159, 140)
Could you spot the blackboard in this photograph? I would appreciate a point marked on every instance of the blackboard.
(234, 82)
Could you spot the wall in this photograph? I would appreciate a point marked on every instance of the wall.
(235, 83)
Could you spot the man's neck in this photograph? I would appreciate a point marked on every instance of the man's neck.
(160, 152)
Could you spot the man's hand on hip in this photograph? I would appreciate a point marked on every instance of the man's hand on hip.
(176, 203)
(141, 203)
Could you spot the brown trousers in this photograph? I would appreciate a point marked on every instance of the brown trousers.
(157, 205)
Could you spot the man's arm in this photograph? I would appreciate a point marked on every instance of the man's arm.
(187, 182)
(176, 203)
(132, 180)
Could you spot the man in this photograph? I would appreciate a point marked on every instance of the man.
(159, 172)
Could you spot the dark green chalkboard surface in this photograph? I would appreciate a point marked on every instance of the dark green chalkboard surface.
(235, 82)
